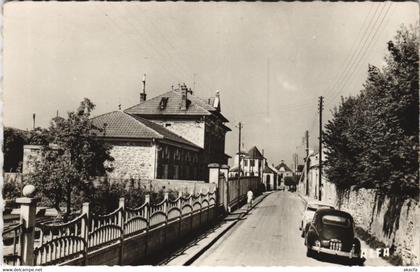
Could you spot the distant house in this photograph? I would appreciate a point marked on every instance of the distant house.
(284, 171)
(311, 182)
(196, 120)
(270, 177)
(143, 149)
(251, 163)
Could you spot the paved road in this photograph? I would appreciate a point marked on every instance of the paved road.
(268, 236)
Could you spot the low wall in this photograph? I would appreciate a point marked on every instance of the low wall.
(140, 248)
(186, 186)
(238, 188)
(369, 214)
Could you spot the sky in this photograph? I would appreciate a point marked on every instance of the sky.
(270, 61)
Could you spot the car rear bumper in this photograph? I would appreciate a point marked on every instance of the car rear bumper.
(349, 255)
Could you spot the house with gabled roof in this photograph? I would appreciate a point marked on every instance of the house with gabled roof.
(198, 121)
(143, 149)
(284, 171)
(252, 163)
(270, 177)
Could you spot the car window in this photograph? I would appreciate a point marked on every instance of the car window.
(311, 209)
(337, 221)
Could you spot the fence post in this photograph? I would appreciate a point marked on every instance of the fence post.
(214, 171)
(85, 224)
(165, 210)
(147, 207)
(27, 219)
(121, 204)
(147, 216)
(165, 203)
(84, 228)
(121, 219)
(223, 186)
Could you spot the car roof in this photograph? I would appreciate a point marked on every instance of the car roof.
(316, 204)
(326, 211)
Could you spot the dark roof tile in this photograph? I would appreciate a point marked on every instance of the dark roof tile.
(123, 125)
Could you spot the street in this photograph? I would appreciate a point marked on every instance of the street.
(268, 236)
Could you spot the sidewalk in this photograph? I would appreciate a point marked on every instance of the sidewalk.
(194, 250)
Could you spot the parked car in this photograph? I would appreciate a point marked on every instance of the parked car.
(308, 214)
(332, 232)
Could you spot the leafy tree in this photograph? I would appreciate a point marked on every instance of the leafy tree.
(290, 181)
(14, 140)
(73, 155)
(372, 139)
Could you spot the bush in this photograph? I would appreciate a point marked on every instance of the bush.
(11, 190)
(290, 181)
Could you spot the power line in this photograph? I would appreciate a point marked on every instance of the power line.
(118, 27)
(365, 52)
(356, 52)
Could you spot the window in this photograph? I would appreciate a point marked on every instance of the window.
(252, 163)
(163, 102)
(245, 162)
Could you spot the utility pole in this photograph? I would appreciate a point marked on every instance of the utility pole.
(307, 162)
(321, 107)
(239, 160)
(33, 121)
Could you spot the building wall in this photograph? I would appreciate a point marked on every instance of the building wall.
(269, 180)
(254, 170)
(133, 160)
(191, 129)
(177, 163)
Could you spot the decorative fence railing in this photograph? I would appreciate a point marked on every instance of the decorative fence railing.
(12, 244)
(54, 243)
(41, 243)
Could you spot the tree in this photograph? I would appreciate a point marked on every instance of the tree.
(14, 140)
(72, 156)
(372, 139)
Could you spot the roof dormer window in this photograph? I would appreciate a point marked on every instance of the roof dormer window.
(163, 102)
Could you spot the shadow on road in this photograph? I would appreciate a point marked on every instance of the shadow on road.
(337, 260)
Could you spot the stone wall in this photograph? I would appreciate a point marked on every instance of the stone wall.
(137, 161)
(185, 186)
(369, 215)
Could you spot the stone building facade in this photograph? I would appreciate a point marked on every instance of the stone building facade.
(145, 150)
(198, 121)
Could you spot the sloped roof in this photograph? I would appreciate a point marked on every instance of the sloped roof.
(268, 170)
(123, 125)
(254, 153)
(286, 168)
(173, 106)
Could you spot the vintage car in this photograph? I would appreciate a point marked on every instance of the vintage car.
(308, 214)
(332, 232)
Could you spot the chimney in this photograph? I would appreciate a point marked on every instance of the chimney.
(216, 102)
(184, 99)
(143, 93)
